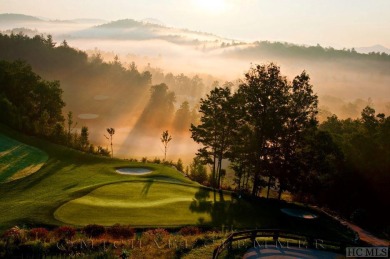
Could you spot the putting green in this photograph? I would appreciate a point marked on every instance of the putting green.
(18, 160)
(144, 203)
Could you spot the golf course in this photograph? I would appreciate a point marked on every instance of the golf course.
(77, 189)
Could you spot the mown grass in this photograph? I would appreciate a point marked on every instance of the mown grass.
(143, 203)
(79, 189)
(18, 160)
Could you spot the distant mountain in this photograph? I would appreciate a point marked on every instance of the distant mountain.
(129, 29)
(12, 17)
(153, 29)
(375, 48)
(153, 21)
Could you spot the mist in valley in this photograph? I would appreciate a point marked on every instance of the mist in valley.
(142, 78)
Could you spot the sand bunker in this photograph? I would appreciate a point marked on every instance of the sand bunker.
(88, 116)
(134, 171)
(299, 213)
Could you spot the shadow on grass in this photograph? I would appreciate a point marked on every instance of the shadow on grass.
(245, 212)
(145, 189)
(229, 210)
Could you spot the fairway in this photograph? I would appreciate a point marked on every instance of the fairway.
(18, 160)
(138, 204)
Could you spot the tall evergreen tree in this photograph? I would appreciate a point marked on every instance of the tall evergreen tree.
(214, 130)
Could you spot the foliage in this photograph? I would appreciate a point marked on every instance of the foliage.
(111, 132)
(190, 230)
(65, 232)
(118, 231)
(30, 103)
(214, 130)
(94, 230)
(198, 171)
(39, 233)
(360, 187)
(179, 165)
(165, 139)
(288, 50)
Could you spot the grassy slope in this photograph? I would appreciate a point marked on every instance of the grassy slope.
(79, 189)
(18, 160)
(67, 175)
(136, 203)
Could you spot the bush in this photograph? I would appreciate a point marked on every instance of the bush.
(15, 234)
(117, 231)
(39, 233)
(94, 230)
(189, 231)
(144, 160)
(65, 232)
(179, 165)
(157, 160)
(155, 235)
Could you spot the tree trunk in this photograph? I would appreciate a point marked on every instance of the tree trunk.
(269, 186)
(213, 173)
(280, 191)
(219, 171)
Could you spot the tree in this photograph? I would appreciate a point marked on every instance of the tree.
(159, 111)
(270, 117)
(179, 165)
(182, 120)
(111, 132)
(84, 142)
(165, 139)
(300, 120)
(197, 171)
(263, 100)
(71, 126)
(214, 130)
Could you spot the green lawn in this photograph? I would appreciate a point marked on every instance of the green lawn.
(136, 203)
(18, 160)
(74, 188)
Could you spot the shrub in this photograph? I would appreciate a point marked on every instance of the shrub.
(157, 160)
(189, 231)
(117, 231)
(155, 235)
(94, 230)
(14, 234)
(144, 160)
(39, 233)
(65, 232)
(179, 165)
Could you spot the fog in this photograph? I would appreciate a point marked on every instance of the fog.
(345, 85)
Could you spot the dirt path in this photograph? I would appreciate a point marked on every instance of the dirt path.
(364, 235)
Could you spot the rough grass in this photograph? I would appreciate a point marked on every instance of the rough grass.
(18, 160)
(79, 189)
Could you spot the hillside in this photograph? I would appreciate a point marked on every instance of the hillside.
(10, 18)
(79, 189)
(18, 160)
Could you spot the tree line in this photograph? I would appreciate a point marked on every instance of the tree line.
(268, 130)
(34, 106)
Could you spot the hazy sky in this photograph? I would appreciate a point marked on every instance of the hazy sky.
(337, 23)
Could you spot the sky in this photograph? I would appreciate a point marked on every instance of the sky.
(336, 23)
